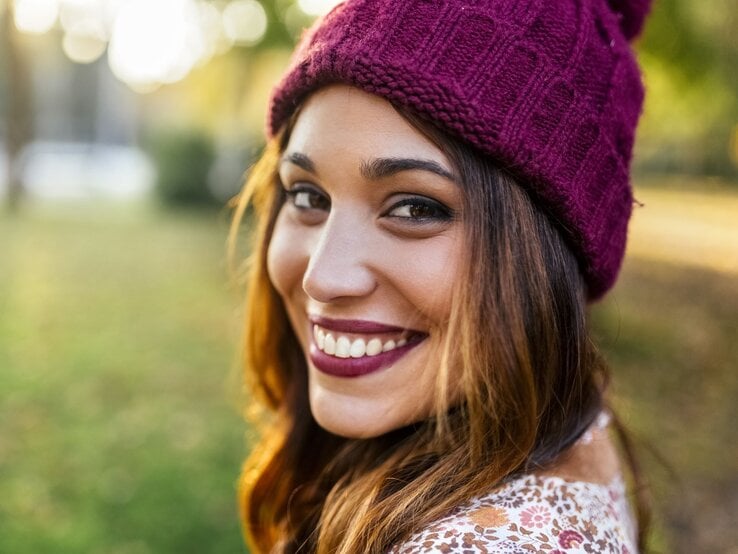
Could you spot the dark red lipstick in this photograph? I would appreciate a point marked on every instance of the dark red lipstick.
(355, 326)
(356, 367)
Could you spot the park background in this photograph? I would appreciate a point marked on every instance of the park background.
(125, 125)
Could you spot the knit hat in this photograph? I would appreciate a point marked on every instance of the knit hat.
(549, 88)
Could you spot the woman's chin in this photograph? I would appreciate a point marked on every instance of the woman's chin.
(349, 425)
(356, 418)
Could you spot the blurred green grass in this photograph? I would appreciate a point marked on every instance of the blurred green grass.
(119, 431)
(119, 426)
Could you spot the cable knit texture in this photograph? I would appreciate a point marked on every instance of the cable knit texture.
(549, 88)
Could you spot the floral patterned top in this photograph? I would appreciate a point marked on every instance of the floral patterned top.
(535, 514)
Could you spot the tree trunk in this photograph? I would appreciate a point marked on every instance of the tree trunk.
(18, 112)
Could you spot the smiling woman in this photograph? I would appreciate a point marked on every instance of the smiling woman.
(428, 239)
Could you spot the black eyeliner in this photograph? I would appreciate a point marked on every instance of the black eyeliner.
(446, 213)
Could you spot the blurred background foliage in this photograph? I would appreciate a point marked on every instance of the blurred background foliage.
(121, 426)
(689, 55)
(183, 158)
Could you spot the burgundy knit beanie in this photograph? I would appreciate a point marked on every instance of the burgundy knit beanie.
(550, 89)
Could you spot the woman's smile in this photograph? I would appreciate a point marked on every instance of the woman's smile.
(351, 348)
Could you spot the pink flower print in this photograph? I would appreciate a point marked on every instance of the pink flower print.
(570, 539)
(535, 516)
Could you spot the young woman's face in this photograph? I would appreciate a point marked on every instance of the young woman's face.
(364, 253)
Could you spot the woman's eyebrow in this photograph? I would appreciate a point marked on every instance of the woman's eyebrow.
(378, 168)
(384, 167)
(300, 160)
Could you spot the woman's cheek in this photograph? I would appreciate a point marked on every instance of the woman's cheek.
(286, 256)
(426, 273)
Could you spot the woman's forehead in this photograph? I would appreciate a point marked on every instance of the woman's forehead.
(340, 120)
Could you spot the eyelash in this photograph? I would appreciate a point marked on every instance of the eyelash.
(293, 193)
(439, 211)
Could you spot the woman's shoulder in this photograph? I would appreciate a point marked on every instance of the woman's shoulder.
(579, 506)
(532, 514)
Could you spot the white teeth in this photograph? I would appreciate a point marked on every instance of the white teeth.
(319, 336)
(373, 347)
(321, 339)
(329, 346)
(343, 347)
(358, 348)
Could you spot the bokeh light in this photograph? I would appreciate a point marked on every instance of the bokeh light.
(86, 25)
(155, 42)
(83, 48)
(149, 43)
(36, 16)
(211, 26)
(87, 17)
(295, 19)
(245, 22)
(317, 7)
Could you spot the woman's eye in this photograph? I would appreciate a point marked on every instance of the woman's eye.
(420, 210)
(308, 199)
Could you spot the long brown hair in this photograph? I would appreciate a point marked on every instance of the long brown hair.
(531, 379)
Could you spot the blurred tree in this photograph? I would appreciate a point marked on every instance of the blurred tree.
(690, 55)
(698, 38)
(183, 159)
(18, 109)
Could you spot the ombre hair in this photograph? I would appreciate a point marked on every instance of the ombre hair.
(531, 379)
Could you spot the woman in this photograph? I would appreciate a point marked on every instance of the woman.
(445, 188)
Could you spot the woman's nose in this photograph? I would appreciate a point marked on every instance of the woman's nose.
(339, 261)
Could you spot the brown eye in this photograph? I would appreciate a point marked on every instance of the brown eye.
(305, 198)
(420, 210)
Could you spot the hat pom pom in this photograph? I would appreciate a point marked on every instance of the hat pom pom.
(632, 14)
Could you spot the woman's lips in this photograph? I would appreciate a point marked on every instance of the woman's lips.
(354, 325)
(356, 367)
